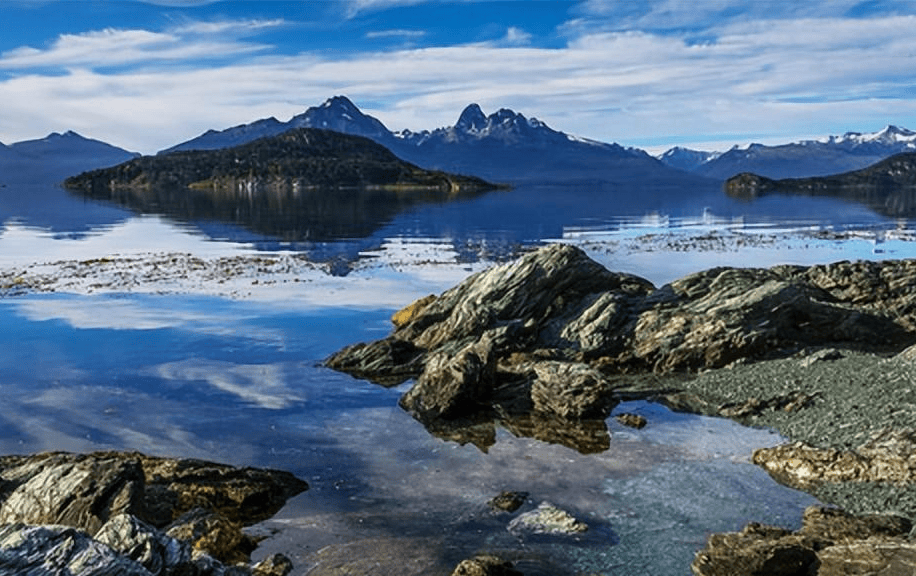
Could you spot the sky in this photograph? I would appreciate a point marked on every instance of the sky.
(708, 74)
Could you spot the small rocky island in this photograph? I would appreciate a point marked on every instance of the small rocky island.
(889, 187)
(546, 346)
(300, 159)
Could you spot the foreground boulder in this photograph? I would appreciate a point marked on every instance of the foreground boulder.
(830, 543)
(127, 513)
(555, 333)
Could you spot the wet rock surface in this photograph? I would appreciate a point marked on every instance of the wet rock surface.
(127, 513)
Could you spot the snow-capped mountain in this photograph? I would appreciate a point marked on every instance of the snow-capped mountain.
(504, 126)
(687, 159)
(832, 155)
(338, 114)
(891, 137)
(504, 146)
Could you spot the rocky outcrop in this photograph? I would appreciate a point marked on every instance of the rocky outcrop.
(830, 542)
(557, 334)
(127, 513)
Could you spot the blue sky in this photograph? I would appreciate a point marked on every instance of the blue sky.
(145, 75)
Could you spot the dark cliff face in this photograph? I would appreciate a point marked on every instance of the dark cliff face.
(300, 158)
(888, 187)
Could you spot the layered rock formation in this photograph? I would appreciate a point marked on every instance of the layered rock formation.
(558, 335)
(127, 513)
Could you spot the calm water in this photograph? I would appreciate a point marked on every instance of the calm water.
(240, 380)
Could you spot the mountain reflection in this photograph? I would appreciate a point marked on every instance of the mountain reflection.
(288, 215)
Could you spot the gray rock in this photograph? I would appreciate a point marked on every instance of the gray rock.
(547, 519)
(98, 514)
(453, 385)
(571, 390)
(77, 491)
(159, 553)
(60, 551)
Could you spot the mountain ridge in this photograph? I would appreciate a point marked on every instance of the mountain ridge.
(502, 146)
(805, 158)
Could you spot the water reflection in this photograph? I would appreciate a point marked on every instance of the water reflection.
(583, 436)
(289, 215)
(887, 200)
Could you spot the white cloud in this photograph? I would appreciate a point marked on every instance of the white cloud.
(771, 78)
(111, 46)
(516, 36)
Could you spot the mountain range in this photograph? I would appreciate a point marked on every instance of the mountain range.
(833, 155)
(504, 146)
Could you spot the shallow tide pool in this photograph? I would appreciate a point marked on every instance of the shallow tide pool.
(241, 382)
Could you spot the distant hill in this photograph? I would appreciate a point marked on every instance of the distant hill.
(303, 158)
(836, 154)
(57, 156)
(889, 187)
(504, 146)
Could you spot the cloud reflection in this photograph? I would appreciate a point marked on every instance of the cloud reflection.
(264, 385)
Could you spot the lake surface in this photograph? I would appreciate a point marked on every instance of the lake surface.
(236, 376)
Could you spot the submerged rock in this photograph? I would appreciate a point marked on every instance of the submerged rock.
(632, 420)
(508, 501)
(106, 513)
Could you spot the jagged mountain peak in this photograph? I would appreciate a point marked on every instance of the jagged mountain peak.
(341, 115)
(472, 119)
